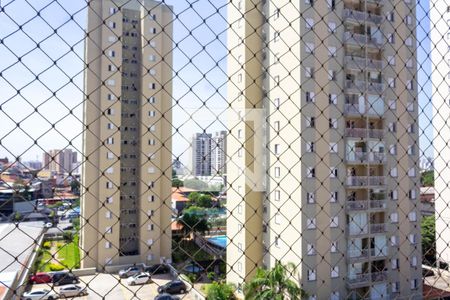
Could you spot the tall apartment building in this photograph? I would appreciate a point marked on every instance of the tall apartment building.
(328, 88)
(201, 154)
(126, 178)
(61, 161)
(440, 55)
(219, 153)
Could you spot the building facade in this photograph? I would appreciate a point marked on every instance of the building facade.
(328, 88)
(201, 154)
(219, 153)
(60, 161)
(440, 55)
(126, 176)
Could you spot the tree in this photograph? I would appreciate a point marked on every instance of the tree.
(428, 231)
(200, 200)
(427, 178)
(220, 291)
(75, 187)
(177, 183)
(274, 284)
(196, 184)
(194, 220)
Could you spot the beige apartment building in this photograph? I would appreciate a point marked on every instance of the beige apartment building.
(126, 176)
(323, 146)
(60, 161)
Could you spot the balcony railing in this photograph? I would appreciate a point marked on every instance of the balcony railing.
(366, 157)
(361, 86)
(356, 109)
(366, 278)
(364, 133)
(366, 180)
(377, 228)
(364, 254)
(361, 16)
(358, 205)
(361, 63)
(357, 230)
(361, 39)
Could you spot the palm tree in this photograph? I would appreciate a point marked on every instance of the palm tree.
(274, 284)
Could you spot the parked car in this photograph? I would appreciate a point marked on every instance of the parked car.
(131, 271)
(193, 268)
(40, 277)
(72, 290)
(48, 225)
(69, 227)
(62, 278)
(141, 278)
(42, 294)
(157, 269)
(166, 297)
(173, 287)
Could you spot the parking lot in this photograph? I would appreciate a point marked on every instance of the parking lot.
(109, 286)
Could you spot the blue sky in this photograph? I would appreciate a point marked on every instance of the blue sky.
(55, 96)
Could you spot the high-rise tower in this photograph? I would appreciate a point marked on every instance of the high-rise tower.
(328, 88)
(126, 174)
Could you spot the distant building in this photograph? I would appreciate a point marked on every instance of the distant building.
(34, 165)
(61, 161)
(218, 153)
(427, 201)
(201, 154)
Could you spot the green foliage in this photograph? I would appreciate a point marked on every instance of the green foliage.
(274, 284)
(188, 250)
(200, 200)
(427, 178)
(17, 216)
(196, 184)
(194, 220)
(177, 183)
(56, 205)
(68, 236)
(75, 187)
(69, 254)
(428, 232)
(47, 245)
(220, 291)
(192, 277)
(76, 224)
(55, 267)
(211, 276)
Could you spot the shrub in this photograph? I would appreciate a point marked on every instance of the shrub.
(68, 236)
(220, 291)
(47, 245)
(55, 267)
(211, 276)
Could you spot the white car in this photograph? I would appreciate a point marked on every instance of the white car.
(72, 290)
(43, 294)
(140, 278)
(48, 225)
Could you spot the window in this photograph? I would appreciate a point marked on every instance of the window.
(112, 10)
(107, 245)
(394, 195)
(310, 172)
(334, 296)
(412, 172)
(393, 172)
(332, 51)
(109, 155)
(394, 240)
(334, 197)
(276, 126)
(309, 23)
(332, 123)
(277, 219)
(332, 99)
(239, 78)
(412, 194)
(310, 122)
(332, 27)
(239, 208)
(239, 246)
(391, 82)
(111, 53)
(152, 30)
(412, 216)
(414, 284)
(276, 36)
(414, 261)
(394, 217)
(152, 57)
(410, 106)
(110, 141)
(108, 230)
(391, 38)
(391, 16)
(393, 104)
(395, 287)
(394, 263)
(331, 4)
(408, 20)
(408, 42)
(334, 222)
(152, 113)
(108, 215)
(277, 195)
(335, 272)
(151, 170)
(333, 173)
(393, 149)
(111, 82)
(311, 223)
(310, 250)
(276, 102)
(310, 97)
(412, 239)
(333, 147)
(309, 72)
(277, 149)
(277, 172)
(109, 200)
(152, 72)
(409, 85)
(311, 275)
(392, 127)
(112, 24)
(334, 247)
(111, 97)
(332, 75)
(277, 14)
(409, 63)
(109, 185)
(239, 133)
(110, 126)
(309, 48)
(391, 60)
(310, 147)
(310, 198)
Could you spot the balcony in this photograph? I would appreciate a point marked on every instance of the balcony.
(363, 279)
(356, 255)
(364, 181)
(360, 40)
(361, 16)
(377, 2)
(359, 86)
(359, 205)
(361, 63)
(375, 109)
(354, 229)
(364, 133)
(377, 228)
(366, 157)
